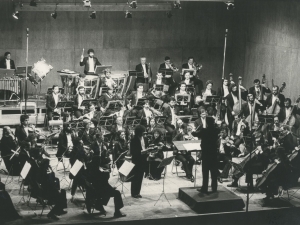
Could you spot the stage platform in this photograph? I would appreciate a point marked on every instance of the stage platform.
(143, 211)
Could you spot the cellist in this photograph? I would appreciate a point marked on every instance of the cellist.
(275, 98)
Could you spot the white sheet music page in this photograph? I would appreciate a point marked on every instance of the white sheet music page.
(192, 146)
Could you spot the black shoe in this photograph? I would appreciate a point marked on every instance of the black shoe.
(102, 212)
(119, 214)
(88, 207)
(192, 178)
(202, 191)
(139, 196)
(220, 180)
(52, 216)
(233, 184)
(135, 196)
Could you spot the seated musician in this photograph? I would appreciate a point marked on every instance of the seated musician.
(153, 125)
(100, 148)
(89, 62)
(170, 114)
(183, 106)
(275, 97)
(195, 79)
(276, 175)
(21, 132)
(259, 90)
(254, 164)
(93, 116)
(155, 158)
(87, 133)
(104, 100)
(78, 109)
(276, 125)
(132, 99)
(143, 67)
(51, 103)
(239, 130)
(119, 126)
(7, 144)
(232, 99)
(99, 191)
(208, 90)
(33, 138)
(158, 80)
(7, 62)
(145, 114)
(65, 141)
(120, 145)
(79, 81)
(289, 114)
(187, 79)
(183, 156)
(108, 81)
(43, 183)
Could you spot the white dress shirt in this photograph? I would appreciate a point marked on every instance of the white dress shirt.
(226, 92)
(190, 66)
(173, 116)
(80, 99)
(222, 146)
(119, 127)
(8, 64)
(167, 66)
(148, 114)
(91, 65)
(26, 131)
(110, 83)
(159, 82)
(143, 143)
(203, 122)
(288, 112)
(69, 138)
(235, 99)
(145, 70)
(55, 96)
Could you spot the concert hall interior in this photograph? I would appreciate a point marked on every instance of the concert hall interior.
(149, 111)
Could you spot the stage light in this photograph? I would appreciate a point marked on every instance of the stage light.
(16, 15)
(230, 5)
(93, 15)
(132, 4)
(21, 4)
(169, 14)
(87, 3)
(177, 5)
(128, 15)
(54, 15)
(32, 3)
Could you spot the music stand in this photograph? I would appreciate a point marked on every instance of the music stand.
(103, 90)
(164, 163)
(50, 90)
(185, 119)
(106, 121)
(190, 88)
(65, 104)
(141, 102)
(212, 99)
(166, 72)
(159, 87)
(274, 133)
(160, 120)
(134, 73)
(114, 105)
(184, 71)
(86, 102)
(269, 118)
(132, 121)
(101, 69)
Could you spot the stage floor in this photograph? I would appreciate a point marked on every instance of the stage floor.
(136, 209)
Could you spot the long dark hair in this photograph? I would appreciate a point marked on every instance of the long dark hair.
(139, 130)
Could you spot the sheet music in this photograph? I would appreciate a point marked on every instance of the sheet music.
(25, 170)
(192, 146)
(126, 168)
(76, 167)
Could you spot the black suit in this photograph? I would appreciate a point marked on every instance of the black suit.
(139, 68)
(78, 112)
(198, 83)
(62, 143)
(264, 90)
(20, 134)
(270, 97)
(86, 64)
(169, 81)
(140, 162)
(50, 105)
(3, 64)
(168, 123)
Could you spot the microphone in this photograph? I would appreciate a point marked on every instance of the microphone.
(27, 31)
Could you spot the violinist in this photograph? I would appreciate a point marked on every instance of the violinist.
(275, 97)
(78, 109)
(51, 102)
(208, 90)
(104, 100)
(7, 144)
(183, 156)
(120, 145)
(146, 114)
(132, 99)
(187, 79)
(286, 139)
(158, 80)
(100, 149)
(21, 132)
(277, 125)
(155, 158)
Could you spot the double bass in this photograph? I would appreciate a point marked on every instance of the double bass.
(238, 106)
(275, 108)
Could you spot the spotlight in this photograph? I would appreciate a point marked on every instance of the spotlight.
(169, 14)
(128, 15)
(87, 3)
(21, 4)
(16, 15)
(32, 3)
(177, 5)
(93, 15)
(230, 5)
(132, 4)
(54, 15)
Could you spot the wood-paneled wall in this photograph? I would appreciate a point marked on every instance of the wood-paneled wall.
(267, 39)
(196, 30)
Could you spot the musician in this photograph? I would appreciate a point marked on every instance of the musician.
(233, 99)
(146, 114)
(21, 132)
(168, 78)
(133, 98)
(153, 125)
(65, 141)
(277, 125)
(209, 139)
(92, 115)
(7, 144)
(89, 62)
(79, 82)
(201, 122)
(158, 80)
(119, 126)
(51, 102)
(155, 158)
(120, 146)
(87, 134)
(275, 97)
(184, 106)
(187, 79)
(191, 66)
(288, 114)
(78, 109)
(259, 90)
(224, 90)
(7, 62)
(108, 81)
(208, 90)
(170, 113)
(145, 68)
(100, 148)
(137, 144)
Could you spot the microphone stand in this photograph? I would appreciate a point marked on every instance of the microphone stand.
(26, 70)
(224, 55)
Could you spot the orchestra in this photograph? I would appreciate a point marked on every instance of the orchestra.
(147, 122)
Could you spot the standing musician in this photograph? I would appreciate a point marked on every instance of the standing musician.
(21, 132)
(89, 62)
(275, 97)
(170, 113)
(145, 68)
(192, 66)
(51, 102)
(259, 90)
(7, 62)
(137, 144)
(78, 109)
(224, 90)
(209, 139)
(65, 141)
(169, 80)
(232, 99)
